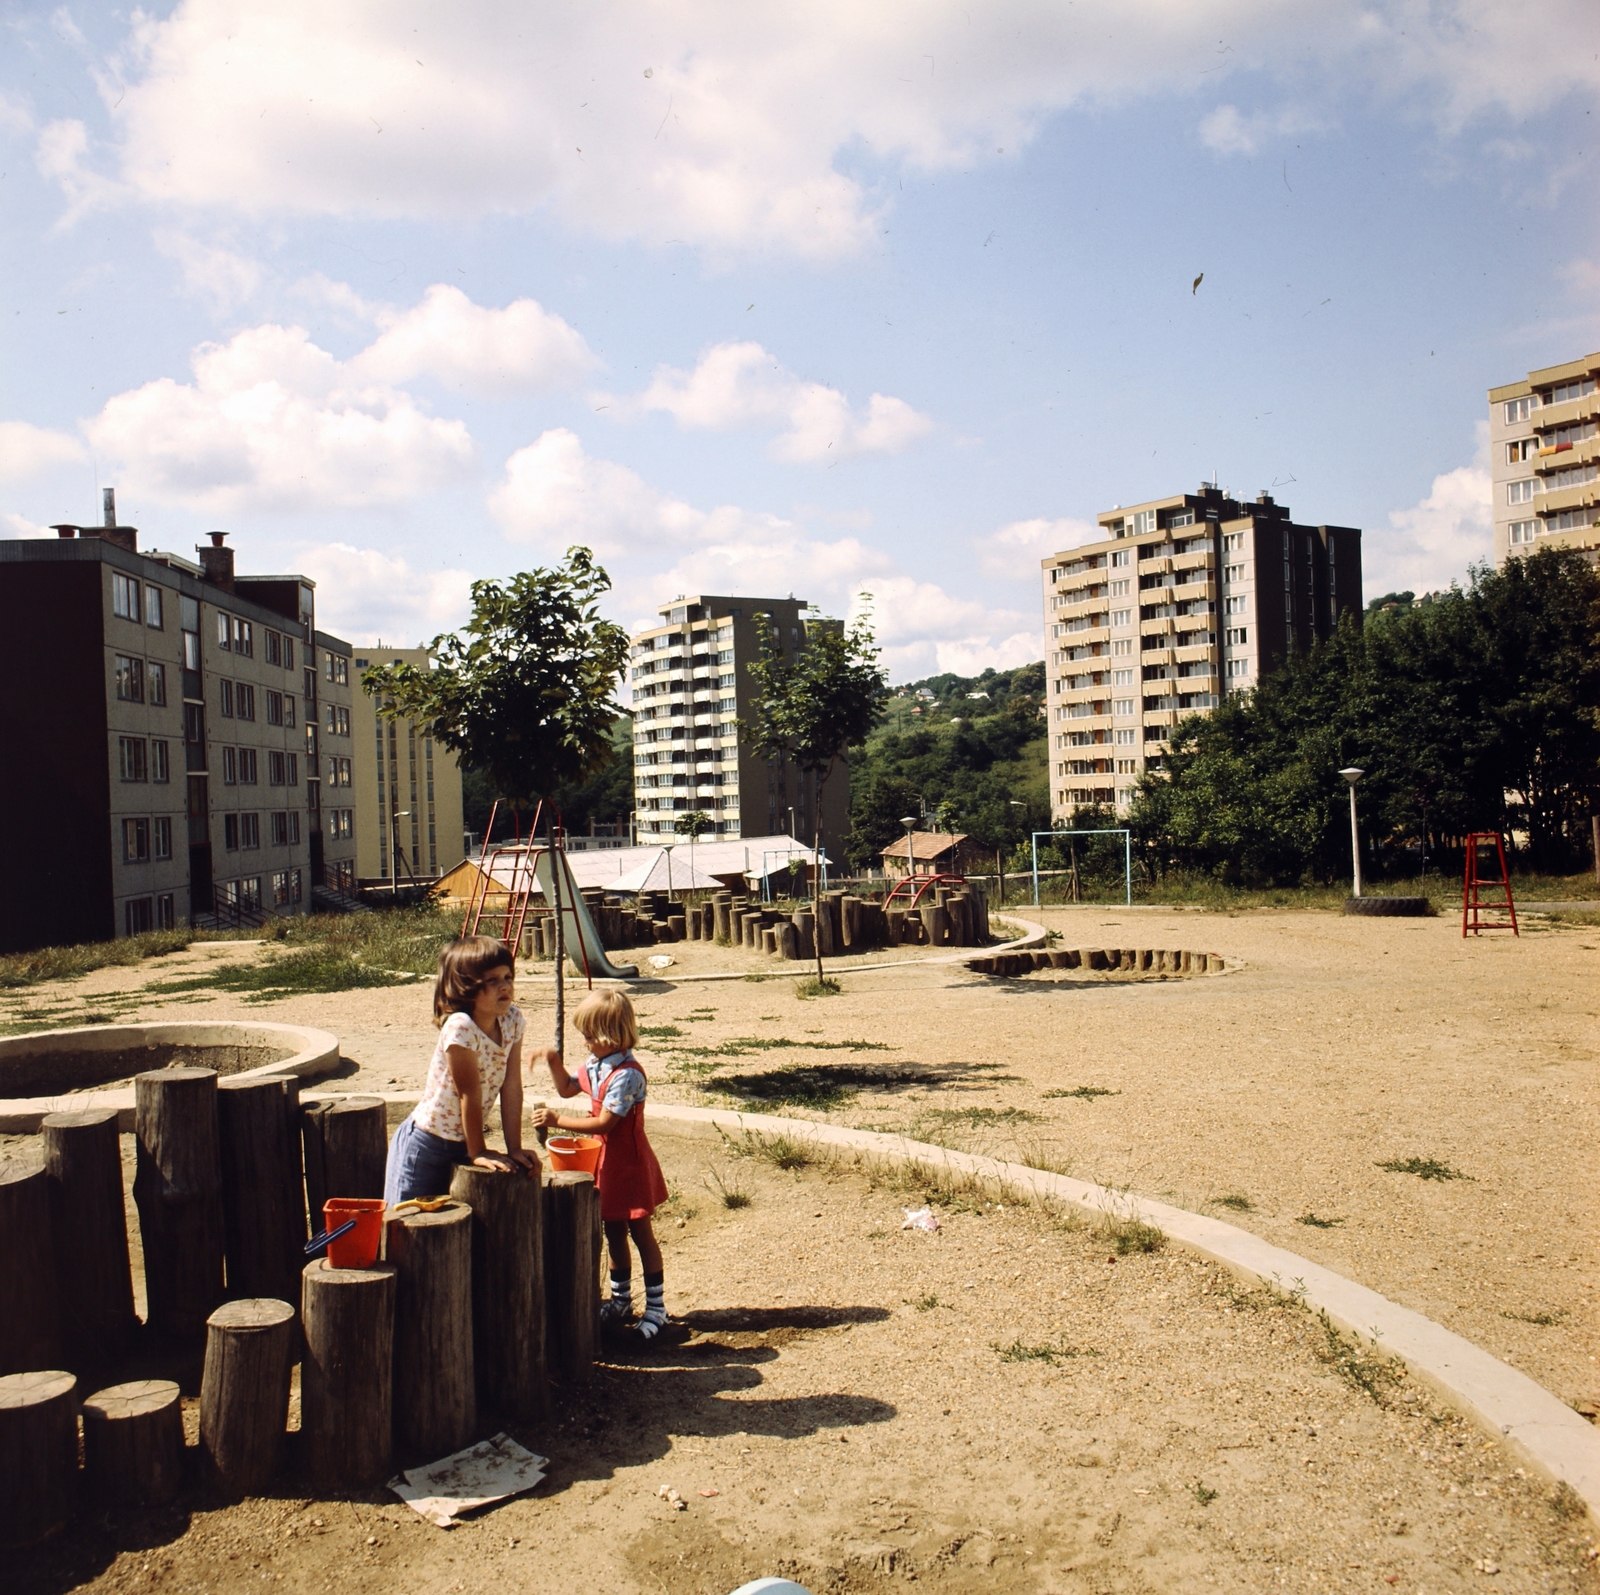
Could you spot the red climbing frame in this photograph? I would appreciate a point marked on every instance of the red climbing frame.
(915, 888)
(1486, 894)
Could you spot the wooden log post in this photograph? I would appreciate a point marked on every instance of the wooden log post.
(679, 926)
(38, 1454)
(178, 1189)
(788, 940)
(346, 1145)
(29, 1322)
(895, 925)
(805, 930)
(347, 1374)
(244, 1393)
(824, 926)
(507, 1290)
(435, 1398)
(769, 941)
(935, 923)
(133, 1444)
(571, 1223)
(850, 921)
(89, 1226)
(263, 1208)
(722, 911)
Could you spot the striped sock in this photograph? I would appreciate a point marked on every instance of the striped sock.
(655, 1306)
(619, 1309)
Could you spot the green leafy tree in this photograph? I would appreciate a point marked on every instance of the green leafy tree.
(813, 704)
(693, 824)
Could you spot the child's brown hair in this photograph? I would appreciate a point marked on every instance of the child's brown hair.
(464, 965)
(606, 1020)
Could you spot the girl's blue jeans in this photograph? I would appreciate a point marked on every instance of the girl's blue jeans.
(420, 1164)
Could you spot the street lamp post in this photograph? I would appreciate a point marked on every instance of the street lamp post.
(1353, 775)
(910, 823)
(394, 848)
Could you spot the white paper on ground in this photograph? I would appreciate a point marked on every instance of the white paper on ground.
(493, 1470)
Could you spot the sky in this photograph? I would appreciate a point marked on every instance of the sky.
(876, 305)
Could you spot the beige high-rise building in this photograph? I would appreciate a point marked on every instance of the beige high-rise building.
(405, 789)
(1544, 459)
(1182, 600)
(690, 685)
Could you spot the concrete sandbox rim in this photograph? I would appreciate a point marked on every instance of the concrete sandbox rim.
(306, 1054)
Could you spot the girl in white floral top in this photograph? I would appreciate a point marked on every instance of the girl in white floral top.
(478, 1058)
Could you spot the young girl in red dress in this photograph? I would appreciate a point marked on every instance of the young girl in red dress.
(628, 1176)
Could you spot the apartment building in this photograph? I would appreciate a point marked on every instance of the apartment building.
(691, 683)
(397, 787)
(1178, 602)
(1544, 457)
(163, 717)
(330, 751)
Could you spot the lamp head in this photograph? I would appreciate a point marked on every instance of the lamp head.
(908, 819)
(1352, 775)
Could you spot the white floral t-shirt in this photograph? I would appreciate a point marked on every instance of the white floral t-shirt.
(439, 1111)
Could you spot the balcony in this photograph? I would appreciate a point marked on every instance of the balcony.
(1161, 564)
(1568, 498)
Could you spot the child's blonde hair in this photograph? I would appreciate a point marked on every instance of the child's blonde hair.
(606, 1020)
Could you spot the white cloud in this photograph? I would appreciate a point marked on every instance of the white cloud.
(496, 353)
(741, 384)
(1432, 543)
(27, 450)
(1229, 132)
(272, 421)
(14, 116)
(364, 594)
(722, 126)
(923, 629)
(218, 275)
(20, 526)
(1014, 551)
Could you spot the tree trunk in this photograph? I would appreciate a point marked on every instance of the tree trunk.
(507, 1289)
(244, 1393)
(29, 1263)
(347, 1375)
(571, 1223)
(346, 1147)
(89, 1226)
(435, 1401)
(38, 1454)
(263, 1202)
(560, 1017)
(178, 1189)
(133, 1444)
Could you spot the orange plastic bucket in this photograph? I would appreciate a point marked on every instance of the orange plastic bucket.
(358, 1249)
(580, 1153)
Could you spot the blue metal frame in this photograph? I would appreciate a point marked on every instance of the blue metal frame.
(1127, 856)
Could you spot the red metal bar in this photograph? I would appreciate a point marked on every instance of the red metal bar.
(1478, 890)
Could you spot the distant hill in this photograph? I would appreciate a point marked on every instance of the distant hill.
(1000, 685)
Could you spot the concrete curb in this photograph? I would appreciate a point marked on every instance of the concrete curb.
(317, 1055)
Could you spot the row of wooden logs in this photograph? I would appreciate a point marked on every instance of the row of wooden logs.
(1140, 960)
(478, 1303)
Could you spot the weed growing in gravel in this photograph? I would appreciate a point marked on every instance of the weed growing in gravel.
(827, 986)
(1043, 1156)
(1566, 1503)
(1543, 1320)
(1313, 1222)
(1235, 1204)
(1204, 1496)
(659, 1032)
(1425, 1168)
(731, 1196)
(1362, 1367)
(1083, 1093)
(980, 1118)
(925, 1303)
(782, 1151)
(1129, 1235)
(1054, 1355)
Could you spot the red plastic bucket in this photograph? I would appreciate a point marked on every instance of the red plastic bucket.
(580, 1153)
(358, 1249)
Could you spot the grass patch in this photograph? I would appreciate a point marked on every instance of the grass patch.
(1131, 1236)
(782, 1151)
(1234, 1204)
(1017, 1351)
(1425, 1168)
(1201, 1494)
(981, 1118)
(67, 963)
(315, 969)
(1312, 1221)
(733, 1196)
(658, 1032)
(1082, 1093)
(1362, 1367)
(925, 1303)
(1042, 1155)
(827, 986)
(819, 1086)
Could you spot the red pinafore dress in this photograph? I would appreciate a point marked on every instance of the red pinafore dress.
(628, 1176)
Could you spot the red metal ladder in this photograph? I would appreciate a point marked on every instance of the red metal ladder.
(1486, 894)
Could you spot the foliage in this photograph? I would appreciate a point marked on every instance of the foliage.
(525, 695)
(67, 963)
(605, 796)
(694, 823)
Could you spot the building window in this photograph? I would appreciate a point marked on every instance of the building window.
(244, 700)
(270, 649)
(250, 892)
(1231, 606)
(1237, 636)
(280, 888)
(164, 914)
(1181, 518)
(1569, 520)
(225, 698)
(249, 830)
(152, 608)
(130, 679)
(1122, 646)
(135, 841)
(230, 766)
(338, 720)
(1520, 492)
(1581, 388)
(1519, 410)
(1232, 542)
(1122, 706)
(156, 674)
(1522, 531)
(139, 915)
(275, 771)
(247, 766)
(288, 709)
(243, 637)
(224, 630)
(124, 596)
(274, 704)
(161, 837)
(1238, 669)
(230, 832)
(1233, 573)
(288, 653)
(338, 772)
(291, 773)
(1124, 739)
(160, 764)
(131, 758)
(1144, 521)
(1121, 617)
(286, 829)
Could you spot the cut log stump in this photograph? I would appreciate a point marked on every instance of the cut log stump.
(346, 1146)
(571, 1222)
(244, 1393)
(263, 1205)
(435, 1397)
(83, 1168)
(347, 1374)
(178, 1189)
(29, 1326)
(507, 1290)
(133, 1444)
(38, 1454)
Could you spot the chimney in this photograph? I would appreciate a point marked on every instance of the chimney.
(126, 537)
(61, 529)
(108, 498)
(217, 562)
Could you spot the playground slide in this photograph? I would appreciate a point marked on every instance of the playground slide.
(581, 938)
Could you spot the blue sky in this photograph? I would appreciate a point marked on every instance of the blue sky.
(813, 298)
